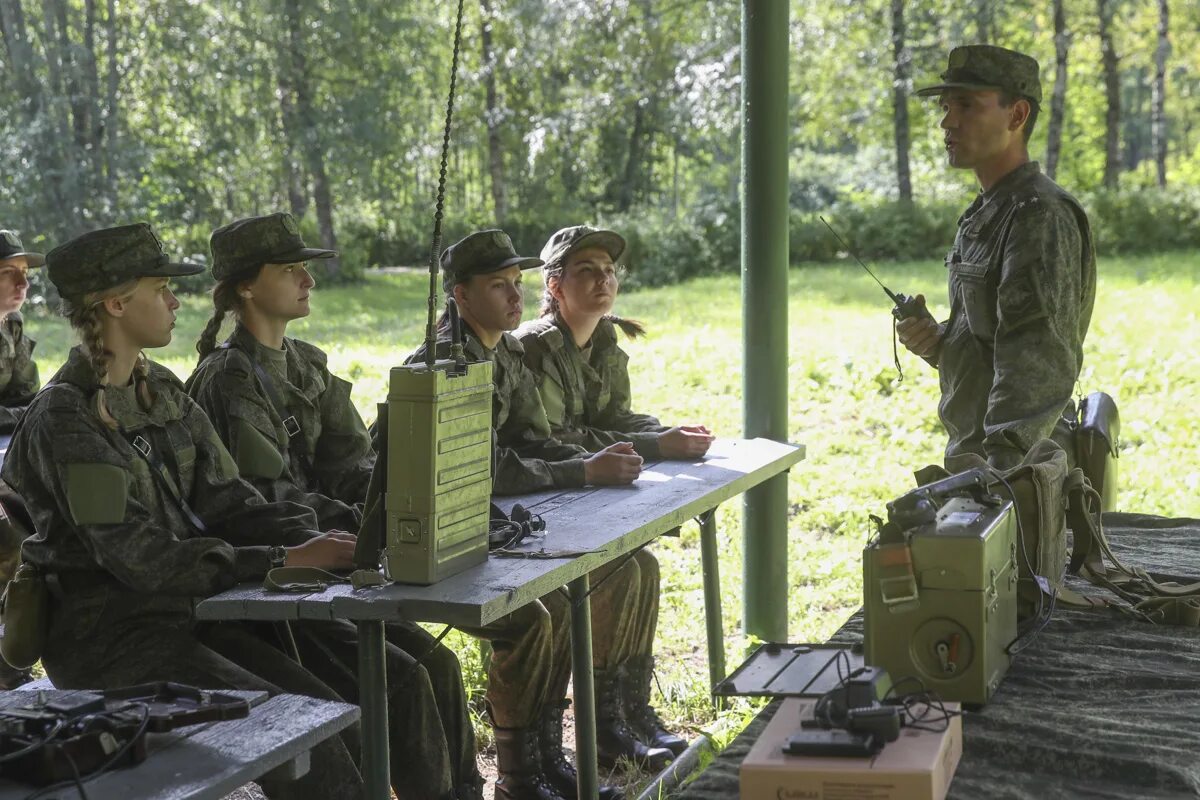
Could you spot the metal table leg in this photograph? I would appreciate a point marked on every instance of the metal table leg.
(713, 623)
(372, 688)
(585, 690)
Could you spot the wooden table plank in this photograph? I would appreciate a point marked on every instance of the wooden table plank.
(610, 521)
(208, 761)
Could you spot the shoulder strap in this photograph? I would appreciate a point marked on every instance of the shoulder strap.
(291, 425)
(142, 445)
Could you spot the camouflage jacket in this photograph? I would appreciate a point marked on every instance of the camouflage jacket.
(100, 511)
(526, 457)
(1022, 278)
(323, 461)
(18, 371)
(587, 395)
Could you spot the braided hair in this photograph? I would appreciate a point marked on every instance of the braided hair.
(83, 314)
(226, 300)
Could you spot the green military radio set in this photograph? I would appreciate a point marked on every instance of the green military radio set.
(940, 588)
(437, 492)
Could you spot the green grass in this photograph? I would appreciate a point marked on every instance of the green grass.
(865, 431)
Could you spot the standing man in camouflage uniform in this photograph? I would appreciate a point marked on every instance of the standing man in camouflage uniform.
(139, 508)
(295, 435)
(483, 273)
(1022, 271)
(583, 381)
(18, 383)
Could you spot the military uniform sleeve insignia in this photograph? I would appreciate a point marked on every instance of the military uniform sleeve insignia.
(1020, 302)
(96, 493)
(257, 456)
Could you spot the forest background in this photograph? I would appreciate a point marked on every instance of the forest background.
(190, 113)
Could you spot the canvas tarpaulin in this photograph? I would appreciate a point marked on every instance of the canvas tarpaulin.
(1100, 705)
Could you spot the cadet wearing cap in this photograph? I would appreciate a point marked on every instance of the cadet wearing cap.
(1022, 271)
(295, 435)
(583, 381)
(139, 507)
(483, 273)
(18, 383)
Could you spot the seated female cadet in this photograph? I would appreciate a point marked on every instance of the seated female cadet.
(18, 383)
(295, 435)
(125, 546)
(583, 379)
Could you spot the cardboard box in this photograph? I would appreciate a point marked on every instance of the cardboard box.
(917, 766)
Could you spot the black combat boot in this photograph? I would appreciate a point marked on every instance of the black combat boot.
(557, 768)
(642, 718)
(613, 736)
(519, 764)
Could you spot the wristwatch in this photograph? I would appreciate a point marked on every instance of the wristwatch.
(276, 555)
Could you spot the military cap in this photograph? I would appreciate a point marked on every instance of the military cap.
(983, 66)
(251, 242)
(479, 254)
(11, 247)
(108, 257)
(579, 237)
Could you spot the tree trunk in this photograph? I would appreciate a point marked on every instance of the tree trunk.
(633, 160)
(495, 146)
(900, 76)
(112, 116)
(1058, 100)
(20, 56)
(293, 175)
(310, 139)
(1158, 114)
(983, 20)
(1112, 91)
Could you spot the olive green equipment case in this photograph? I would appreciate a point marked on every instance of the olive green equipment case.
(439, 470)
(940, 589)
(24, 612)
(1096, 439)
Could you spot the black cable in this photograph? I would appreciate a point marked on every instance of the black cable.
(45, 740)
(113, 759)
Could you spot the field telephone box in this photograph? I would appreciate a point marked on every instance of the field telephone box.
(940, 589)
(439, 470)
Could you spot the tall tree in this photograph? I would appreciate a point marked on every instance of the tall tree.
(308, 128)
(1058, 99)
(1158, 115)
(901, 65)
(1110, 64)
(984, 21)
(493, 114)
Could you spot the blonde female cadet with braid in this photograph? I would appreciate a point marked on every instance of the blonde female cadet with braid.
(295, 435)
(583, 380)
(139, 508)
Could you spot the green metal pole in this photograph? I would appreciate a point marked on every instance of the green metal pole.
(764, 302)
(583, 682)
(709, 558)
(373, 702)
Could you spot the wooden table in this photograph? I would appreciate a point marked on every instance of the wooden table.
(608, 522)
(210, 760)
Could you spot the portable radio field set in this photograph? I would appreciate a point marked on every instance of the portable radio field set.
(439, 470)
(940, 590)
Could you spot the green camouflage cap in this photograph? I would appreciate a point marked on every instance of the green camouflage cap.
(575, 238)
(251, 242)
(978, 67)
(109, 257)
(480, 253)
(11, 247)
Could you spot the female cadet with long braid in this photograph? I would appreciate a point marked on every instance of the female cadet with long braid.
(295, 435)
(583, 380)
(125, 550)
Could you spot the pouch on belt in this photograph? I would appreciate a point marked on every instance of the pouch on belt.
(25, 613)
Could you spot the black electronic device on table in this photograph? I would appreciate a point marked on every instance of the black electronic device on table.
(75, 735)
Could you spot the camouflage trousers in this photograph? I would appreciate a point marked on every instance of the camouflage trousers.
(211, 656)
(431, 741)
(15, 525)
(531, 648)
